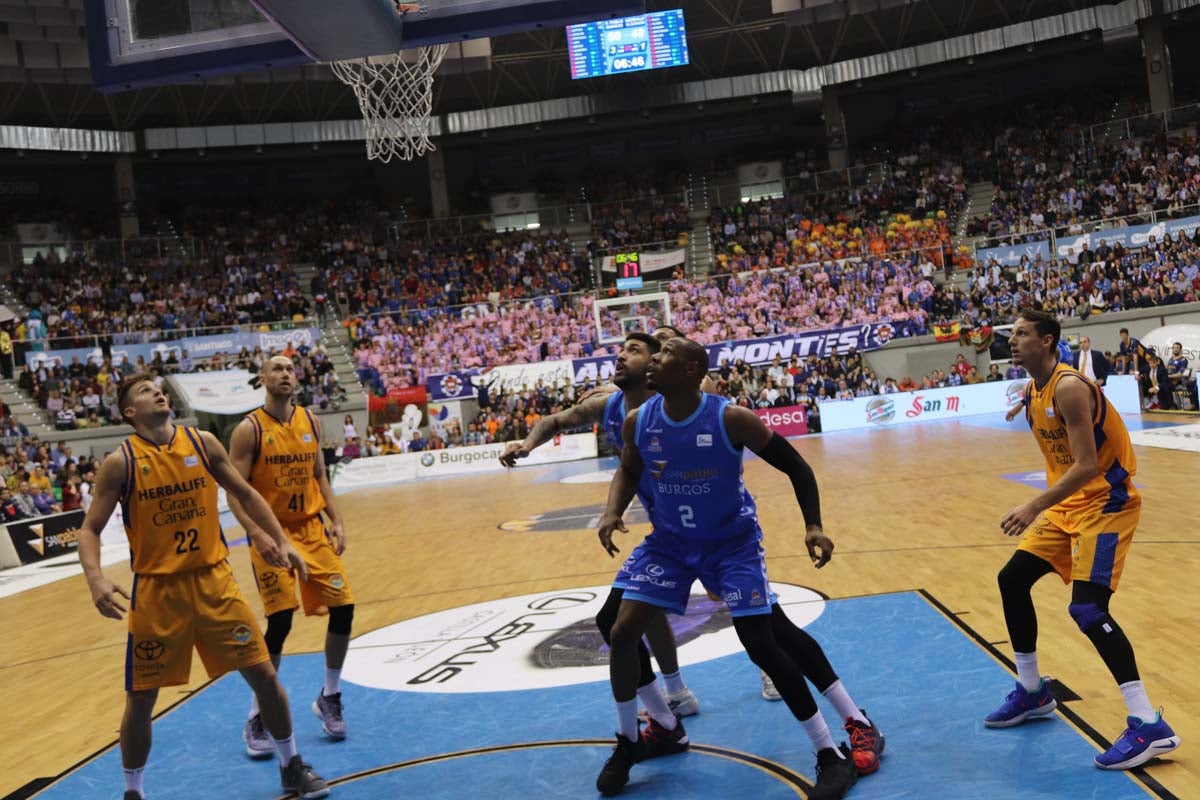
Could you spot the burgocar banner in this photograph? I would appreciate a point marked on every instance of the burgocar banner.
(197, 347)
(226, 391)
(1133, 236)
(952, 402)
(599, 369)
(45, 537)
(1010, 255)
(457, 461)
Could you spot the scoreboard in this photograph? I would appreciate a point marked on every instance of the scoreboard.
(629, 271)
(630, 44)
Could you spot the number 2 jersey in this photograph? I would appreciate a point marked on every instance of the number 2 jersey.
(169, 505)
(285, 457)
(693, 473)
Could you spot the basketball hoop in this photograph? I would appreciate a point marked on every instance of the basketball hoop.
(395, 96)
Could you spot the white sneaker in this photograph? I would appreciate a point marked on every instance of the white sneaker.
(769, 692)
(683, 703)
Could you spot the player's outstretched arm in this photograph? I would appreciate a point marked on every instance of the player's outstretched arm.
(624, 485)
(1074, 401)
(746, 429)
(257, 512)
(586, 412)
(110, 483)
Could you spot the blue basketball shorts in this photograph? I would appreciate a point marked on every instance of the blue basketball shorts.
(660, 571)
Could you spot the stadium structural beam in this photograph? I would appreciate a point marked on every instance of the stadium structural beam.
(1159, 78)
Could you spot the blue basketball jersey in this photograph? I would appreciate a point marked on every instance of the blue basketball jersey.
(695, 472)
(614, 423)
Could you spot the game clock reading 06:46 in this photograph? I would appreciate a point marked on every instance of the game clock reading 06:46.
(647, 41)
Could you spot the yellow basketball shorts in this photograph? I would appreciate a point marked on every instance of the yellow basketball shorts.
(326, 586)
(1084, 546)
(171, 614)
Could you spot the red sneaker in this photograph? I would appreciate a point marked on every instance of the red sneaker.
(866, 744)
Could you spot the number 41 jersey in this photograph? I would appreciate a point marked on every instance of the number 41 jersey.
(694, 472)
(285, 455)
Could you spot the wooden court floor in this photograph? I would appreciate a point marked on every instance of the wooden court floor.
(908, 508)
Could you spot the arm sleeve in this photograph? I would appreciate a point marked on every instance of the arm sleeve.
(783, 457)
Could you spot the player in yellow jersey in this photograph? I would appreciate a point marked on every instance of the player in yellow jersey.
(1081, 527)
(165, 477)
(278, 449)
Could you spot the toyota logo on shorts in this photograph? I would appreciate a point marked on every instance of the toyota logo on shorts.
(655, 570)
(149, 650)
(268, 579)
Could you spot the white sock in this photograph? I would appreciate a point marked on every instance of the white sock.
(818, 732)
(674, 682)
(656, 704)
(286, 748)
(1027, 671)
(627, 719)
(333, 681)
(846, 708)
(1137, 701)
(133, 780)
(253, 706)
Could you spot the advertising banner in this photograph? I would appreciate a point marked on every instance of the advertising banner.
(1010, 255)
(45, 537)
(786, 421)
(952, 402)
(1132, 237)
(649, 262)
(226, 391)
(197, 346)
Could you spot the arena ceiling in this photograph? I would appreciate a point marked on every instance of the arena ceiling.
(44, 78)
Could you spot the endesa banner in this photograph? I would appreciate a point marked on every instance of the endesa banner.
(952, 402)
(1132, 237)
(786, 421)
(45, 537)
(197, 347)
(599, 369)
(457, 461)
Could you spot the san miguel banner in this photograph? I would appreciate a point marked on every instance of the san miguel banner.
(599, 369)
(197, 347)
(45, 537)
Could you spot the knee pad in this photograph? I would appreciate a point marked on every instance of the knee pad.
(279, 625)
(341, 619)
(1087, 615)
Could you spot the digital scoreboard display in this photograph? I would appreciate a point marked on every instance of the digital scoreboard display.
(631, 44)
(629, 271)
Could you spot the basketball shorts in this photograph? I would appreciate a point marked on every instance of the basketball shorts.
(623, 577)
(169, 614)
(661, 570)
(326, 586)
(1088, 546)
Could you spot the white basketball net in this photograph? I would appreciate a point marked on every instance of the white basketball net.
(396, 99)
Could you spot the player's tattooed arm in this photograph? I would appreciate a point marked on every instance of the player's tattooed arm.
(587, 412)
(746, 429)
(624, 486)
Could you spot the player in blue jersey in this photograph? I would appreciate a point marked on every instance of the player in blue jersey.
(684, 449)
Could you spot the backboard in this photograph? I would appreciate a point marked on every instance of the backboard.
(136, 43)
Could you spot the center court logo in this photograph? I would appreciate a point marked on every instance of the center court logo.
(535, 641)
(579, 518)
(880, 410)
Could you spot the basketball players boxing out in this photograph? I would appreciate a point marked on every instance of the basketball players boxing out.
(183, 595)
(661, 736)
(277, 448)
(1081, 527)
(683, 449)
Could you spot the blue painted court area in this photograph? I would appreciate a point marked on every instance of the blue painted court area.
(921, 679)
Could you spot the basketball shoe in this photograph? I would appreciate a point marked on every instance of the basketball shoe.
(769, 692)
(866, 744)
(132, 795)
(662, 742)
(329, 709)
(258, 743)
(1021, 705)
(615, 773)
(835, 775)
(1140, 742)
(300, 778)
(683, 703)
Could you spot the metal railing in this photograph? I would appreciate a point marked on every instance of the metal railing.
(17, 253)
(158, 335)
(1143, 125)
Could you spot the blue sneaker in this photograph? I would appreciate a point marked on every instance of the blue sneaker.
(1139, 743)
(1021, 705)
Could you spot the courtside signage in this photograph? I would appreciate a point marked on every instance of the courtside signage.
(534, 641)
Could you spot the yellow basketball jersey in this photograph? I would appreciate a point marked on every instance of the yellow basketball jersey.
(1111, 489)
(170, 505)
(285, 457)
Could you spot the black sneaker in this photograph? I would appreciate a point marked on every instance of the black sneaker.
(662, 742)
(300, 778)
(835, 775)
(615, 774)
(130, 794)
